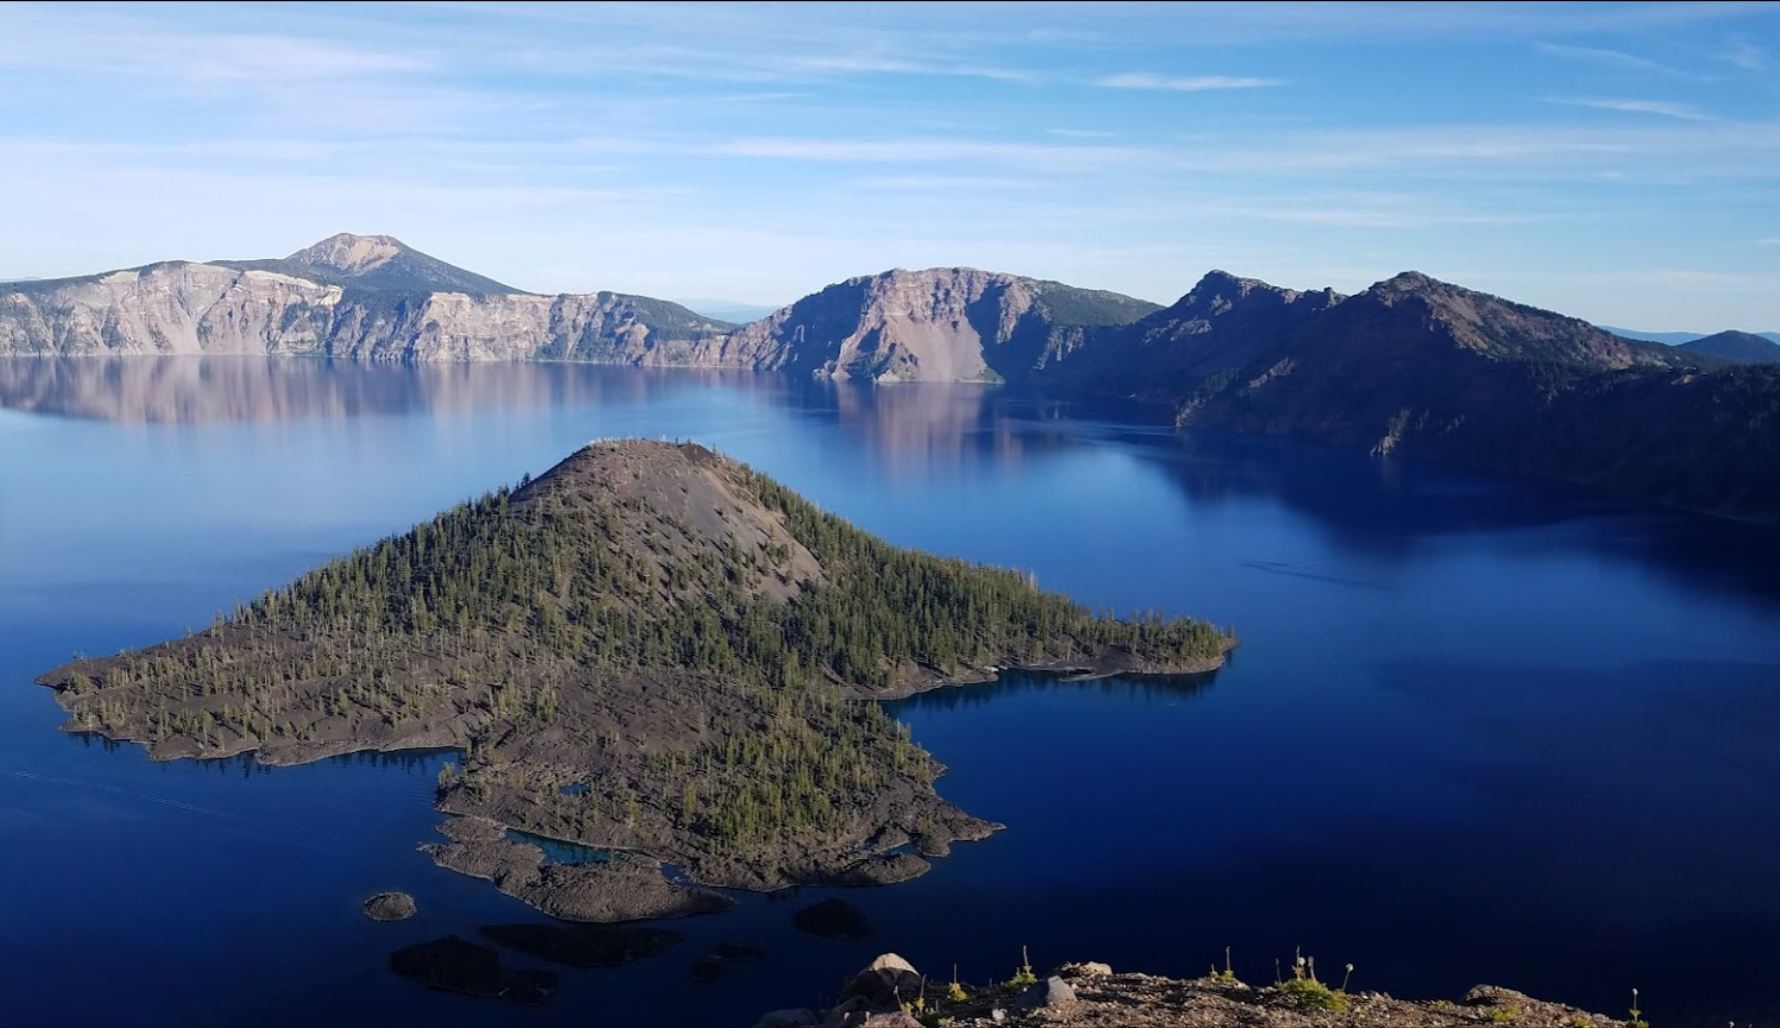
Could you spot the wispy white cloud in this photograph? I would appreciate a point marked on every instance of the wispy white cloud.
(1741, 53)
(1186, 84)
(1769, 241)
(1069, 133)
(948, 183)
(130, 49)
(917, 150)
(1665, 108)
(885, 64)
(1603, 56)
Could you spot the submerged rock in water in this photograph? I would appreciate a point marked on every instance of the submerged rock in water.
(705, 971)
(470, 969)
(582, 945)
(833, 919)
(709, 968)
(390, 906)
(792, 1017)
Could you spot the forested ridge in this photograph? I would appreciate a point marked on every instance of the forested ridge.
(650, 647)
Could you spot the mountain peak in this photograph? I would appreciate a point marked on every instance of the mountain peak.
(379, 262)
(1219, 282)
(1735, 346)
(351, 254)
(1409, 282)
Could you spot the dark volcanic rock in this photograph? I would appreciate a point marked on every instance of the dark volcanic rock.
(624, 888)
(833, 919)
(390, 906)
(582, 945)
(881, 869)
(1095, 998)
(469, 969)
(884, 1019)
(1051, 994)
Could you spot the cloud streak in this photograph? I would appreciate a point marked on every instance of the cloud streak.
(1746, 56)
(1610, 58)
(1664, 108)
(1186, 84)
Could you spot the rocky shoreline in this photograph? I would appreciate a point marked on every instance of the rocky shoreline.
(626, 887)
(890, 993)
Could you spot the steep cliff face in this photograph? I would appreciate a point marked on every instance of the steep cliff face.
(941, 324)
(372, 298)
(190, 308)
(173, 308)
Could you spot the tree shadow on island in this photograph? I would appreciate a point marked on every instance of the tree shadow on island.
(1143, 688)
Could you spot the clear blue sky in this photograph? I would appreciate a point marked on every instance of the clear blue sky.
(1616, 161)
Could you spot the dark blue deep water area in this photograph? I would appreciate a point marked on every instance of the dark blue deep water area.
(1480, 729)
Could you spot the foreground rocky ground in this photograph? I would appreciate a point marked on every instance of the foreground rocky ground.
(889, 993)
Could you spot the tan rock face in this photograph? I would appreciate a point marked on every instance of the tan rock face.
(942, 324)
(166, 308)
(351, 254)
(186, 308)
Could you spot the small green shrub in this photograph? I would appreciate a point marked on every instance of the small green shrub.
(955, 992)
(1310, 994)
(1024, 977)
(1226, 975)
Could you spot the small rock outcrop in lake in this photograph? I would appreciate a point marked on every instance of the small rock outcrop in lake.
(651, 653)
(390, 906)
(1087, 995)
(582, 945)
(833, 919)
(470, 969)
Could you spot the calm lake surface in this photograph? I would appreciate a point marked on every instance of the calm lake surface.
(1479, 730)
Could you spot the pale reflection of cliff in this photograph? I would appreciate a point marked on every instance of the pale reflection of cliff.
(937, 429)
(202, 389)
(942, 429)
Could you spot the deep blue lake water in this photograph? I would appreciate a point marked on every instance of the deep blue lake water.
(1480, 729)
